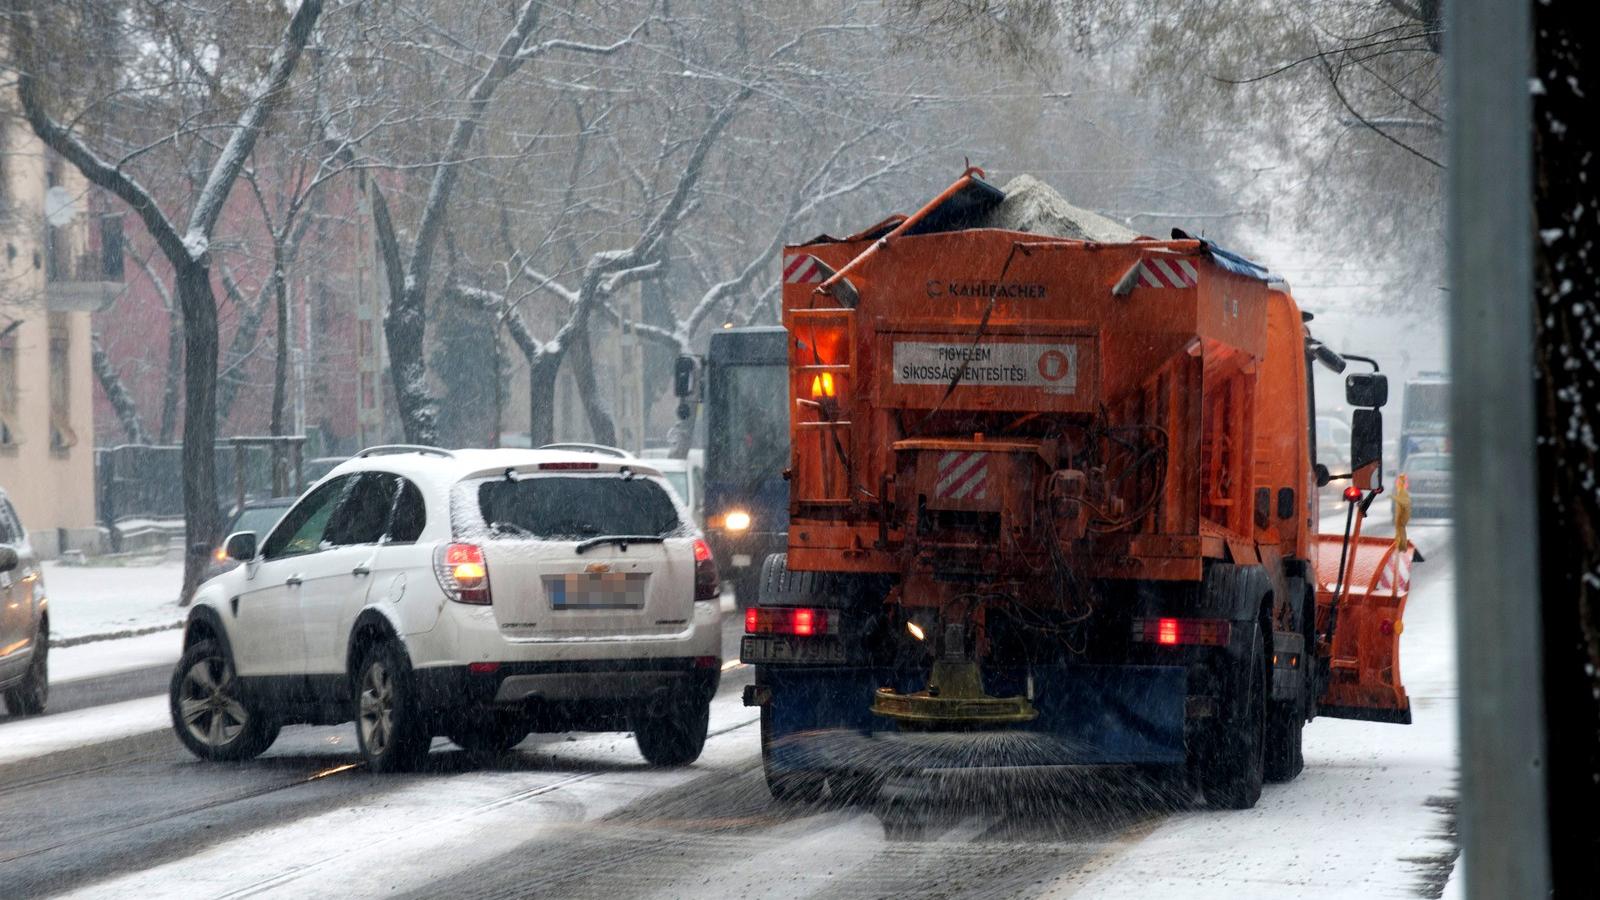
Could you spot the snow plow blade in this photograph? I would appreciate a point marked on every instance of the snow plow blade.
(1366, 620)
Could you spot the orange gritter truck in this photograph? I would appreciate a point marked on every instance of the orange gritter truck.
(1054, 502)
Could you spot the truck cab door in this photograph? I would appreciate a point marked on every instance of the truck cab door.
(1362, 659)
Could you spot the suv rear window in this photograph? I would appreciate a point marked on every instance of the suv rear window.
(563, 507)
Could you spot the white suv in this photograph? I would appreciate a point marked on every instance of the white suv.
(478, 594)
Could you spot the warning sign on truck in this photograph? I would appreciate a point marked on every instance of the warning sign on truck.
(1049, 367)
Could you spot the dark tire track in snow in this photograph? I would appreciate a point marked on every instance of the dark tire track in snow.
(722, 835)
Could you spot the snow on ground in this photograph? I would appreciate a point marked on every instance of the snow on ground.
(1371, 816)
(89, 601)
(111, 657)
(401, 839)
(44, 735)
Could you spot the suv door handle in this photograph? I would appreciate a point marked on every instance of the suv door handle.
(361, 570)
(293, 581)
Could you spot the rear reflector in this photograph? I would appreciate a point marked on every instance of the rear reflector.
(482, 668)
(1176, 632)
(799, 621)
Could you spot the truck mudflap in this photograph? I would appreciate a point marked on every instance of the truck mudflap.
(1365, 612)
(820, 720)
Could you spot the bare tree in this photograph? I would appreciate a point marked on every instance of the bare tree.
(186, 250)
(411, 269)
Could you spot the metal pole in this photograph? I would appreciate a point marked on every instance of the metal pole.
(1489, 60)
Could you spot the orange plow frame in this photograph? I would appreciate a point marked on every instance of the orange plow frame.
(1364, 657)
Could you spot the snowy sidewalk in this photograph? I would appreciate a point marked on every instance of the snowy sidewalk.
(97, 659)
(100, 602)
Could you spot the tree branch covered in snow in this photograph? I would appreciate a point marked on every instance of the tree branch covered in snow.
(116, 394)
(242, 137)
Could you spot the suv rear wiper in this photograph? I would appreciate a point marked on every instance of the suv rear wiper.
(621, 540)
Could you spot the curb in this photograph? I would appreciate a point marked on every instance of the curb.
(61, 643)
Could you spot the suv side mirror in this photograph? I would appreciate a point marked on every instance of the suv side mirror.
(8, 559)
(1366, 440)
(683, 377)
(241, 546)
(1366, 389)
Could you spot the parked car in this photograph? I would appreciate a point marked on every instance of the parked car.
(24, 619)
(1428, 480)
(478, 594)
(312, 470)
(687, 477)
(257, 516)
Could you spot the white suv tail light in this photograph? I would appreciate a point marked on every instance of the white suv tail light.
(462, 573)
(705, 572)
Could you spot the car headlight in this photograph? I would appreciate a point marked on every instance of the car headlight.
(738, 520)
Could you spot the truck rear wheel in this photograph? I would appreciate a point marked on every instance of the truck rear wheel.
(1233, 764)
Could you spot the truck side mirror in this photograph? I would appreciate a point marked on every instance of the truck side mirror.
(1366, 441)
(1366, 389)
(1324, 477)
(8, 559)
(683, 377)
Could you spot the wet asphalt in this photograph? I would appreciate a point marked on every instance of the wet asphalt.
(78, 817)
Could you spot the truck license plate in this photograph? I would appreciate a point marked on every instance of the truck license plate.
(766, 648)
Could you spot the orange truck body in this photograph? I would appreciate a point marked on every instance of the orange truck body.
(1074, 437)
(991, 406)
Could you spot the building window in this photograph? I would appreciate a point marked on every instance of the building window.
(10, 437)
(55, 239)
(62, 437)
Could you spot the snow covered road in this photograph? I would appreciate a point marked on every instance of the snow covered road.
(119, 809)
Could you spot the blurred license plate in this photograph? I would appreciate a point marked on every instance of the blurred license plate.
(741, 560)
(611, 590)
(770, 648)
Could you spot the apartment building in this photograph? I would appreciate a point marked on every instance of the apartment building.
(56, 268)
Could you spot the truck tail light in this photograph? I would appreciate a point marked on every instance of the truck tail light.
(800, 621)
(462, 573)
(706, 586)
(1176, 632)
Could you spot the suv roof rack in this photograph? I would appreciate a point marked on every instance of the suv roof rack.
(393, 449)
(601, 449)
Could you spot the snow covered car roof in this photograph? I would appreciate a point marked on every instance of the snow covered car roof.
(441, 468)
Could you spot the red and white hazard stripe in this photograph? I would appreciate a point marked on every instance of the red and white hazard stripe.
(1386, 576)
(803, 268)
(1165, 273)
(962, 475)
